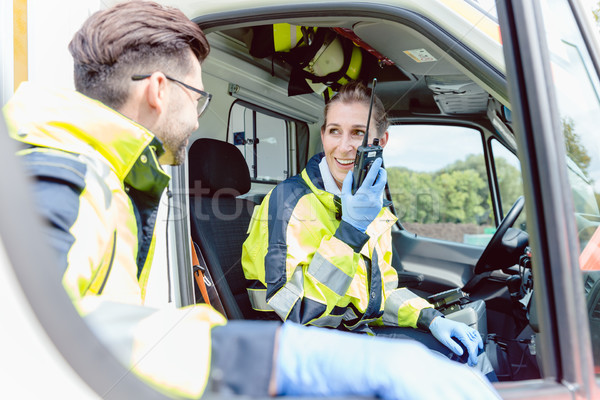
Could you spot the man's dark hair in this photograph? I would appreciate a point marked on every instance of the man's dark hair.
(134, 37)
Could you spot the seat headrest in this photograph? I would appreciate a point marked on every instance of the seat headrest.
(217, 166)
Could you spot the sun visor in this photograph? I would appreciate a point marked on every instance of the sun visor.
(407, 48)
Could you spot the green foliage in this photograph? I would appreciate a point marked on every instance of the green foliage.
(413, 195)
(476, 163)
(575, 150)
(457, 193)
(510, 183)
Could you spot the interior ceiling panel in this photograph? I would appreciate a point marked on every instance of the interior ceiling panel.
(410, 50)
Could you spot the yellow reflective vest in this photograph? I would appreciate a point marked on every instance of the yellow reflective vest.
(98, 183)
(308, 266)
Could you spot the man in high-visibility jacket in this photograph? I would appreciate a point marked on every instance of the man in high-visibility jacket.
(96, 157)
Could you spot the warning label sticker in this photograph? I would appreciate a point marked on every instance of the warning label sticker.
(420, 55)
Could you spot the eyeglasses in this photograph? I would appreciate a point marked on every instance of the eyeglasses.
(201, 103)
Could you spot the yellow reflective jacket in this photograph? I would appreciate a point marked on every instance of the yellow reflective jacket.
(98, 177)
(306, 264)
(98, 183)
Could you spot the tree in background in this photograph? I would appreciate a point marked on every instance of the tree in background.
(579, 176)
(413, 195)
(477, 163)
(575, 150)
(457, 193)
(510, 183)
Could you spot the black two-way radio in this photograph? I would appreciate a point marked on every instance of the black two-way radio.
(366, 153)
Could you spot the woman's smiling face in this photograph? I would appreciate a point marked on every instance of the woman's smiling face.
(343, 134)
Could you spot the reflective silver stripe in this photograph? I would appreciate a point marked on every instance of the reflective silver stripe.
(362, 322)
(390, 285)
(124, 318)
(332, 321)
(285, 298)
(349, 315)
(394, 301)
(484, 364)
(258, 299)
(101, 172)
(293, 36)
(330, 275)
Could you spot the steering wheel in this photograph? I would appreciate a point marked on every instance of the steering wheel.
(492, 249)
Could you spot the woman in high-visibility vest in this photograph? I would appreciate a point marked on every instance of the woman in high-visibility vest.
(319, 255)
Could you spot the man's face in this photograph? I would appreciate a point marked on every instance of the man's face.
(181, 117)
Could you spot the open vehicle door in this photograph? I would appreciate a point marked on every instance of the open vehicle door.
(552, 42)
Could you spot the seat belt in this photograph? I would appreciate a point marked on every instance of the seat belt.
(199, 275)
(205, 283)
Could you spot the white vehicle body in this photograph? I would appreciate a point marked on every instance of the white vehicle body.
(46, 351)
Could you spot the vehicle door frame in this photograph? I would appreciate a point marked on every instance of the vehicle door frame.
(567, 355)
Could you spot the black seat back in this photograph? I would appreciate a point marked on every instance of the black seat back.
(218, 174)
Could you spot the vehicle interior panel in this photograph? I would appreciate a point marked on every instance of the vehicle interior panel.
(453, 88)
(397, 50)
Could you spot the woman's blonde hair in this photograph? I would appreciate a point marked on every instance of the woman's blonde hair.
(357, 92)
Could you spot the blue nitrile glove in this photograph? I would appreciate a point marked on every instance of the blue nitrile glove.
(313, 361)
(445, 329)
(360, 209)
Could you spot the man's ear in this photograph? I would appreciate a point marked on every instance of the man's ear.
(157, 95)
(384, 139)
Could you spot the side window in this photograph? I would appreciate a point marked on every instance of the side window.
(510, 180)
(438, 182)
(262, 137)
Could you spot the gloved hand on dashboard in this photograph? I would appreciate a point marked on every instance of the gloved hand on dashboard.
(445, 329)
(360, 209)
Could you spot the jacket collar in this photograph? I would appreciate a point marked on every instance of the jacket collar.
(312, 177)
(314, 172)
(70, 121)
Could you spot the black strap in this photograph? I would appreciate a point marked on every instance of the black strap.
(373, 310)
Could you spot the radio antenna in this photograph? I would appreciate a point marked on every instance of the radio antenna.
(367, 153)
(366, 138)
